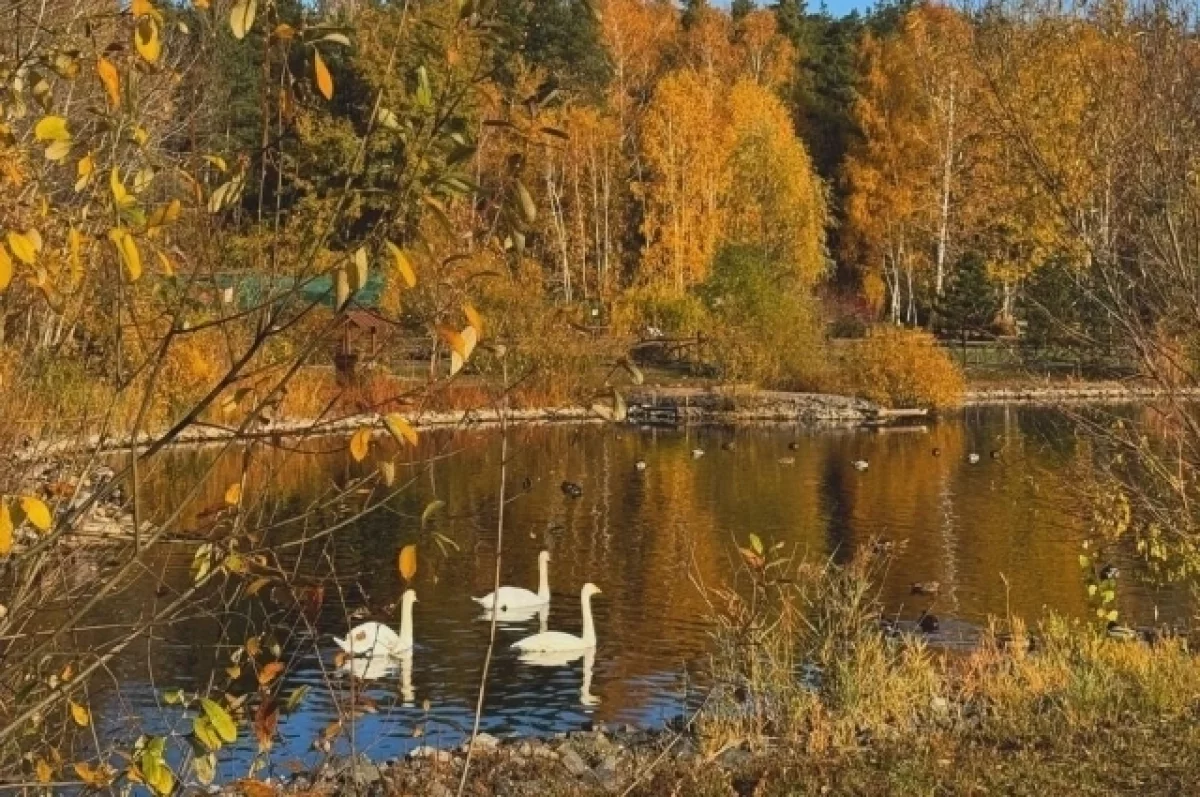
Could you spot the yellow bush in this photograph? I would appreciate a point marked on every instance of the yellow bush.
(901, 368)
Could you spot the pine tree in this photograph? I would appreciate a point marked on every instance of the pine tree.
(970, 303)
(740, 9)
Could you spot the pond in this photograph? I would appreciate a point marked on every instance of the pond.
(1000, 535)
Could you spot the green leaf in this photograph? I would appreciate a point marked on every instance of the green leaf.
(294, 699)
(1112, 616)
(208, 738)
(222, 723)
(430, 509)
(1084, 561)
(173, 697)
(756, 544)
(1108, 596)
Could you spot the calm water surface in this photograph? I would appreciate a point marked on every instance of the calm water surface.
(1001, 535)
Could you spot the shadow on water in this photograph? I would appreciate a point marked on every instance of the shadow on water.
(647, 537)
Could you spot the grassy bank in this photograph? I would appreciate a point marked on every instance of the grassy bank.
(812, 692)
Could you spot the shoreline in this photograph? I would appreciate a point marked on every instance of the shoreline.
(659, 406)
(663, 406)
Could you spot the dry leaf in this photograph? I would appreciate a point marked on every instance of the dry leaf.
(323, 78)
(407, 562)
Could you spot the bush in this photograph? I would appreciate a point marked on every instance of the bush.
(767, 327)
(901, 368)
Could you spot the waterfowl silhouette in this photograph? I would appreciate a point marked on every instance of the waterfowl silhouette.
(571, 490)
(928, 623)
(861, 464)
(1109, 573)
(926, 588)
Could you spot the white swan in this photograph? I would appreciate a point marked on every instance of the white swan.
(509, 598)
(513, 618)
(560, 642)
(374, 668)
(562, 658)
(861, 464)
(376, 639)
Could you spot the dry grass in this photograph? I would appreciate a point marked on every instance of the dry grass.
(800, 660)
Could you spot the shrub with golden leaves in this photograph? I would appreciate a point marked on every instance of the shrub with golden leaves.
(901, 368)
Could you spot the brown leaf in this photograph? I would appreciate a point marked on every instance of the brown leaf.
(266, 720)
(270, 672)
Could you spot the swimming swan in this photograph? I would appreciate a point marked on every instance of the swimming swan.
(376, 639)
(558, 641)
(509, 598)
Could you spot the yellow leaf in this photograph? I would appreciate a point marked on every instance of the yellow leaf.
(220, 720)
(36, 512)
(200, 3)
(324, 79)
(107, 71)
(75, 245)
(165, 214)
(403, 264)
(456, 363)
(80, 714)
(407, 562)
(360, 444)
(57, 150)
(233, 495)
(388, 471)
(400, 429)
(140, 8)
(120, 194)
(167, 267)
(241, 17)
(469, 337)
(51, 128)
(474, 319)
(146, 39)
(454, 340)
(127, 249)
(270, 672)
(22, 247)
(284, 32)
(6, 530)
(44, 773)
(6, 268)
(96, 777)
(83, 171)
(358, 274)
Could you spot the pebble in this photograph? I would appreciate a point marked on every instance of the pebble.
(574, 762)
(484, 741)
(431, 753)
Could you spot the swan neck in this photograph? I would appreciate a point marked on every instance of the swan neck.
(543, 581)
(589, 629)
(406, 621)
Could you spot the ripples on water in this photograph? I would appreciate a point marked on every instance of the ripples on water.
(645, 537)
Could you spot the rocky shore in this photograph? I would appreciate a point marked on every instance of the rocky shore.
(600, 761)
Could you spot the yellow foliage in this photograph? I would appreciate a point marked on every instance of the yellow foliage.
(901, 368)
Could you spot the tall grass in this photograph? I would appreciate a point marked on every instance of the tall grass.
(801, 659)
